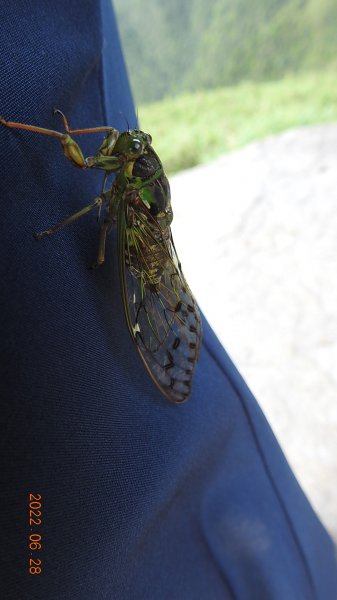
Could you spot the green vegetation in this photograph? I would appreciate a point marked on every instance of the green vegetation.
(195, 128)
(228, 71)
(174, 47)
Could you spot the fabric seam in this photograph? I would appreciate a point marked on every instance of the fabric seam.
(266, 467)
(101, 76)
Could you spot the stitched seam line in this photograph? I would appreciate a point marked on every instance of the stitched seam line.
(101, 76)
(267, 469)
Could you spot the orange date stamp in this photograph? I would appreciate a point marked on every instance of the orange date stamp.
(35, 538)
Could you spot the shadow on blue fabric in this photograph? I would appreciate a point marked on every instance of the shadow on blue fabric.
(140, 498)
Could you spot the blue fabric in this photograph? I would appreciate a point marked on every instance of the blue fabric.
(140, 498)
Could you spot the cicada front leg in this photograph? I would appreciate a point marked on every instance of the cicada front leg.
(74, 154)
(71, 149)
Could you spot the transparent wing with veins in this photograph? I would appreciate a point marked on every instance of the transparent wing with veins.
(162, 315)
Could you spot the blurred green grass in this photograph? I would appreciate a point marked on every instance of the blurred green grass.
(195, 128)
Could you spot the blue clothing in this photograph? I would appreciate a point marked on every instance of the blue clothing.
(141, 499)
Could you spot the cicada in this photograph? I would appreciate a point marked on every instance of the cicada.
(161, 313)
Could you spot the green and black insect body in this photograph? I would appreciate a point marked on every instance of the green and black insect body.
(162, 315)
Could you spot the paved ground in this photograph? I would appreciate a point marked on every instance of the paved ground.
(256, 231)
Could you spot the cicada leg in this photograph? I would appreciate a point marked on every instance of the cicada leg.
(103, 195)
(15, 125)
(112, 198)
(57, 111)
(109, 197)
(101, 245)
(52, 132)
(71, 149)
(97, 202)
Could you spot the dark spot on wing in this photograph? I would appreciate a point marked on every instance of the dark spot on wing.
(176, 343)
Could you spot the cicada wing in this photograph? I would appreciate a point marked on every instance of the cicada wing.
(163, 319)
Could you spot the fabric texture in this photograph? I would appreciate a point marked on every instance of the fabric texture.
(140, 498)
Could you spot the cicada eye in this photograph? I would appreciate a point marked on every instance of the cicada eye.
(135, 146)
(149, 139)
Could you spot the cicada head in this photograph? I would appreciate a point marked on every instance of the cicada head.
(119, 149)
(132, 144)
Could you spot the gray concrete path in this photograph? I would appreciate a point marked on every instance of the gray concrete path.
(256, 231)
